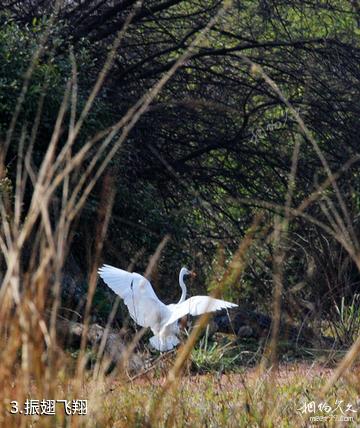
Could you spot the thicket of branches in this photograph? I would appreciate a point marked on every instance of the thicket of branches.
(215, 147)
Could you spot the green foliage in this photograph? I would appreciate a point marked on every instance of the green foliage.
(52, 71)
(6, 187)
(346, 320)
(209, 356)
(102, 304)
(17, 46)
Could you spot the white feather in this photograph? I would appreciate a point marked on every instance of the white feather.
(148, 311)
(137, 293)
(197, 305)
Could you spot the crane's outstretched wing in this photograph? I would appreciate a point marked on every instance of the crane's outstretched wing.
(144, 306)
(197, 305)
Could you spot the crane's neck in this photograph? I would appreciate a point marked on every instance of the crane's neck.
(183, 286)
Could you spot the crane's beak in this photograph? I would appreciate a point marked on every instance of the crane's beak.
(193, 274)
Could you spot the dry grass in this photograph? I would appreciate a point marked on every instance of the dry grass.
(246, 398)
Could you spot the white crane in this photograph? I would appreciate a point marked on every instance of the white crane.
(148, 311)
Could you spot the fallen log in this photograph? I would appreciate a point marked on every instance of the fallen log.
(115, 348)
(246, 323)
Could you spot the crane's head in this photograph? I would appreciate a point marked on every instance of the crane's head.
(183, 273)
(186, 271)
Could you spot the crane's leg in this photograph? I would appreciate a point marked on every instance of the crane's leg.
(162, 342)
